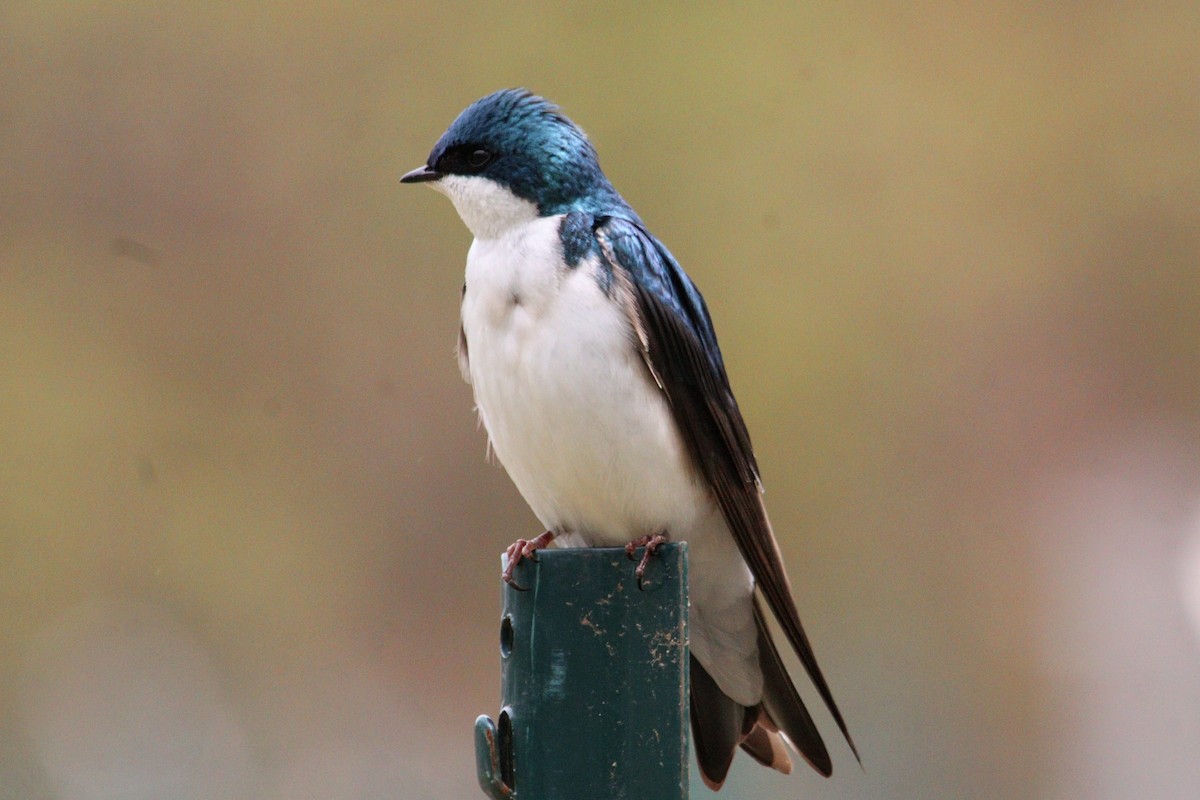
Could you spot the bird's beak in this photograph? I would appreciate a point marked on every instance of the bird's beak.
(421, 175)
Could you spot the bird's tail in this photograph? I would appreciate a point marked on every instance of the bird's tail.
(720, 725)
(782, 706)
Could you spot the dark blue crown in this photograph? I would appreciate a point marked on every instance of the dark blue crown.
(536, 152)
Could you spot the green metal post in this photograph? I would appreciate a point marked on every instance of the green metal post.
(594, 681)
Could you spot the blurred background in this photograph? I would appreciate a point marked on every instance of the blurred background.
(249, 543)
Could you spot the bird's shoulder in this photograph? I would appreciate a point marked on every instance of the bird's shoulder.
(621, 242)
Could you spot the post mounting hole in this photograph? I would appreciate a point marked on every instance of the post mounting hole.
(506, 636)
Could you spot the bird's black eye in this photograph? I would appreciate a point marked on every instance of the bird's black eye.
(479, 158)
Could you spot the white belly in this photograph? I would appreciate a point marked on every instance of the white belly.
(570, 408)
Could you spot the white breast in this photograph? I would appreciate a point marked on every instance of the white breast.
(569, 406)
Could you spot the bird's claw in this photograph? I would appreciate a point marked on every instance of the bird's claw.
(651, 545)
(522, 549)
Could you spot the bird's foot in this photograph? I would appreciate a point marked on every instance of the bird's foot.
(521, 549)
(651, 543)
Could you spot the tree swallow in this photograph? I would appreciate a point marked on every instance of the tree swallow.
(597, 375)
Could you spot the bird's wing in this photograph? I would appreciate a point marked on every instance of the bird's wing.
(464, 359)
(679, 346)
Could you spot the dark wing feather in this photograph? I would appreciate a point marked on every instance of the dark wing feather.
(783, 705)
(464, 359)
(680, 348)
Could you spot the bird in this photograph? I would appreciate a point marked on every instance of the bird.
(597, 375)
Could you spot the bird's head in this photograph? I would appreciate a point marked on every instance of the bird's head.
(513, 156)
